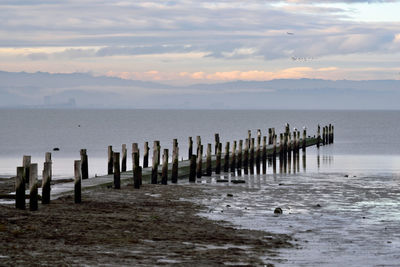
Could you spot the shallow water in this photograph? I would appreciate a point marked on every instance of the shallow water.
(337, 219)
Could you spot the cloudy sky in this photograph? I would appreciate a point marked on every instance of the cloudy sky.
(186, 41)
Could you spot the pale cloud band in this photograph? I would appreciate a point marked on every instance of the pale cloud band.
(196, 40)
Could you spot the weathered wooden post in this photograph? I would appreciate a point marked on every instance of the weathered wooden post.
(20, 189)
(199, 167)
(251, 160)
(304, 141)
(190, 148)
(154, 170)
(318, 136)
(46, 179)
(117, 173)
(249, 137)
(198, 142)
(218, 159)
(33, 187)
(324, 135)
(47, 157)
(84, 164)
(110, 160)
(258, 152)
(135, 148)
(208, 160)
(136, 169)
(164, 173)
(140, 177)
(175, 160)
(158, 152)
(239, 160)
(264, 155)
(192, 173)
(246, 157)
(77, 182)
(26, 163)
(333, 135)
(233, 157)
(274, 153)
(216, 142)
(124, 156)
(281, 152)
(226, 159)
(269, 136)
(146, 155)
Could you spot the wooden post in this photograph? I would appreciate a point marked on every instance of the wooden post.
(208, 161)
(251, 160)
(318, 136)
(264, 155)
(239, 161)
(20, 189)
(199, 167)
(164, 176)
(154, 170)
(84, 164)
(274, 145)
(324, 136)
(47, 157)
(304, 141)
(158, 152)
(33, 188)
(175, 160)
(216, 142)
(218, 159)
(26, 163)
(135, 169)
(226, 159)
(333, 135)
(190, 148)
(46, 179)
(140, 176)
(246, 157)
(135, 148)
(146, 155)
(233, 157)
(124, 156)
(249, 137)
(110, 160)
(77, 182)
(192, 174)
(258, 152)
(117, 173)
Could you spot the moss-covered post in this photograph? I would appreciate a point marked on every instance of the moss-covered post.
(239, 161)
(251, 157)
(20, 189)
(33, 187)
(199, 163)
(208, 160)
(117, 172)
(192, 173)
(164, 173)
(84, 164)
(226, 159)
(246, 157)
(77, 182)
(175, 160)
(233, 157)
(154, 170)
(110, 160)
(146, 150)
(218, 159)
(264, 155)
(124, 158)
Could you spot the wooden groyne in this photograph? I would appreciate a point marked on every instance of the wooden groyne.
(248, 156)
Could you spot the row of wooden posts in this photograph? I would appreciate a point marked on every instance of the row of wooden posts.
(240, 157)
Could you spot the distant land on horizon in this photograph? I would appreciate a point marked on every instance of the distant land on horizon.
(82, 90)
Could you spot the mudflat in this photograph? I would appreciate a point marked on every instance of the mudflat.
(150, 226)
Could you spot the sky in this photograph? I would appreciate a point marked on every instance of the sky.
(185, 42)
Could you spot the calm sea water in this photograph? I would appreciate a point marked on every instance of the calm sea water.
(364, 140)
(341, 203)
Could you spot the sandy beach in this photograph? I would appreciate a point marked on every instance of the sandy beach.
(151, 226)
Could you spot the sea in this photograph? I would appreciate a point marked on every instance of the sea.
(341, 202)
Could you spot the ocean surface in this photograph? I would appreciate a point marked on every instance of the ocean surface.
(341, 203)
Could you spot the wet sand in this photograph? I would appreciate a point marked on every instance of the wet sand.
(146, 227)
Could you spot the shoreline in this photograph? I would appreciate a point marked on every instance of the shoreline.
(156, 225)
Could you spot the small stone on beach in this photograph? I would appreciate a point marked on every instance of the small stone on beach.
(278, 211)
